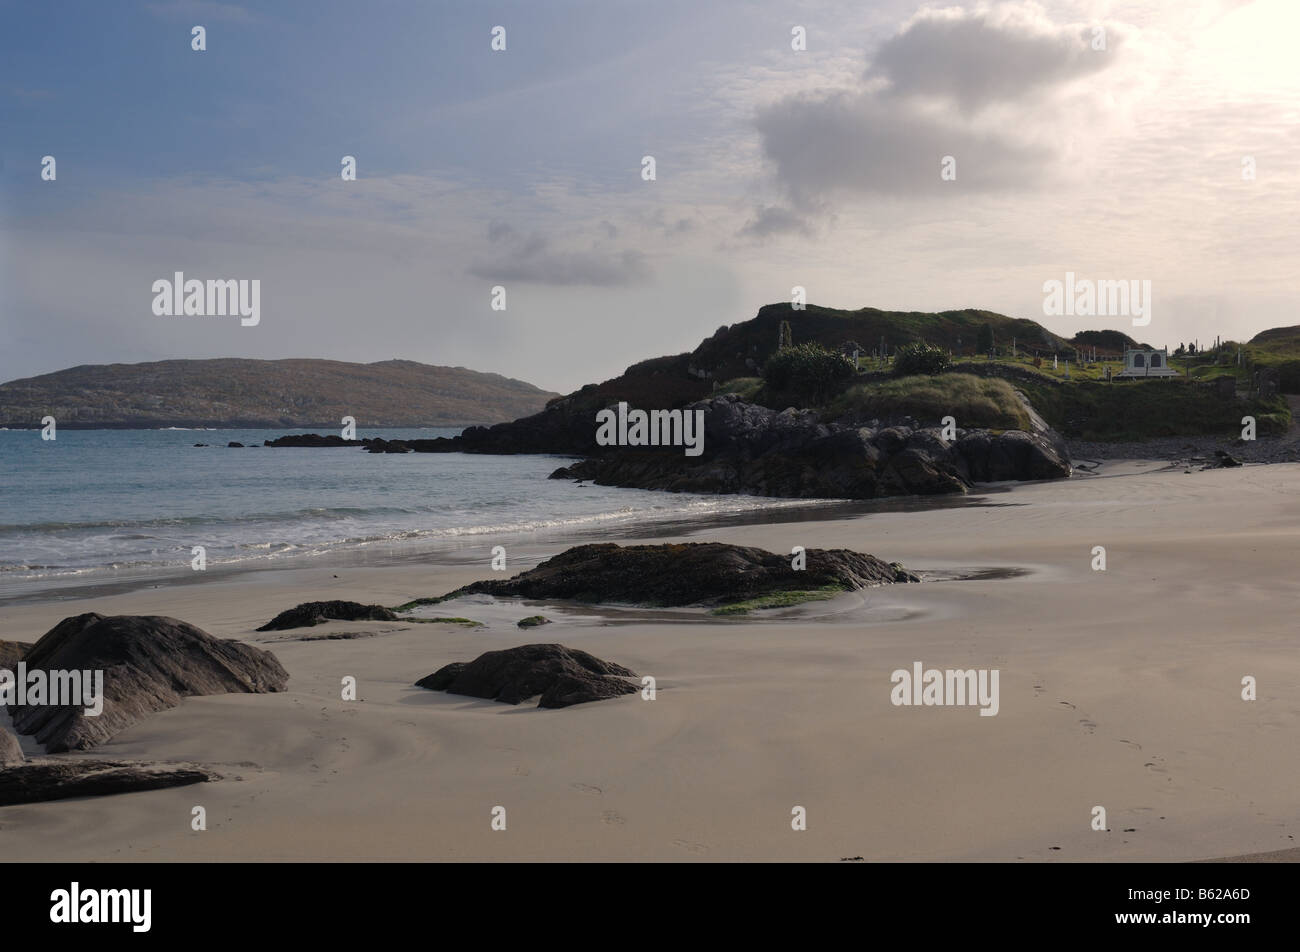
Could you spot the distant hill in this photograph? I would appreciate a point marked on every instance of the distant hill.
(238, 392)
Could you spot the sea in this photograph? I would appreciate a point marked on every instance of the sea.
(96, 506)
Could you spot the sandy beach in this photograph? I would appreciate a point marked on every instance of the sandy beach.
(1119, 688)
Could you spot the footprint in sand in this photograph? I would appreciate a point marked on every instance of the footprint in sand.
(1130, 743)
(690, 846)
(587, 788)
(1089, 726)
(612, 818)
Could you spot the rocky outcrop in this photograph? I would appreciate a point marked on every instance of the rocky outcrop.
(751, 449)
(10, 750)
(533, 621)
(310, 440)
(693, 573)
(60, 780)
(561, 676)
(754, 450)
(314, 613)
(149, 664)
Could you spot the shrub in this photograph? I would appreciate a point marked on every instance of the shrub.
(920, 358)
(807, 370)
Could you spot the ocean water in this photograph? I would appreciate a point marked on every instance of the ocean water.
(109, 504)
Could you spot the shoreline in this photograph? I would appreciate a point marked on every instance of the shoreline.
(1097, 705)
(454, 551)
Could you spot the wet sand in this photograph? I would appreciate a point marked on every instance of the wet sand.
(1119, 688)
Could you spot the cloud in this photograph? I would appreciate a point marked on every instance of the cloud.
(862, 143)
(997, 55)
(988, 87)
(532, 258)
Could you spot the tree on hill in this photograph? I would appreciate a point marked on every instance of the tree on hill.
(920, 358)
(1106, 340)
(984, 342)
(807, 370)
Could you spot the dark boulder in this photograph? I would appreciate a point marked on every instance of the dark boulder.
(149, 664)
(314, 613)
(560, 676)
(892, 439)
(61, 780)
(693, 573)
(1014, 454)
(232, 445)
(533, 621)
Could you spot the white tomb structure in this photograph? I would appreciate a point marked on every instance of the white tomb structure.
(1147, 362)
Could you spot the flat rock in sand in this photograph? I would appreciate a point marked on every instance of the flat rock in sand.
(562, 676)
(693, 573)
(314, 613)
(61, 780)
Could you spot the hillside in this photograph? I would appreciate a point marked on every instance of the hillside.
(739, 350)
(1285, 340)
(734, 351)
(1081, 405)
(238, 392)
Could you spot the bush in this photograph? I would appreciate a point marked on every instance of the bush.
(920, 358)
(807, 370)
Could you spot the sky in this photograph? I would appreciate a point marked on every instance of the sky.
(1153, 141)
